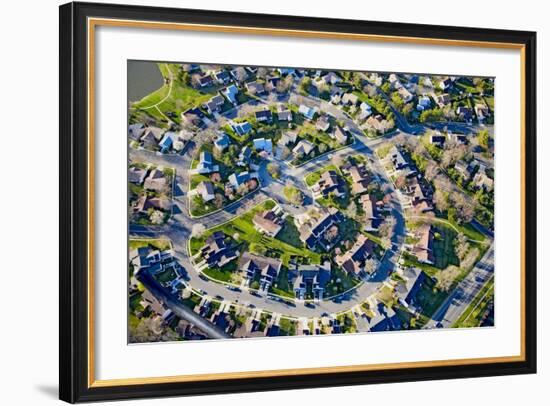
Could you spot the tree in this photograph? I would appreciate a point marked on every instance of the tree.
(461, 246)
(447, 276)
(441, 200)
(431, 171)
(262, 73)
(218, 200)
(156, 217)
(322, 147)
(274, 169)
(305, 85)
(285, 152)
(198, 230)
(483, 138)
(465, 207)
(351, 210)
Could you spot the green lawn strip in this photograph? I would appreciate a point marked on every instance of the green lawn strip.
(471, 317)
(160, 243)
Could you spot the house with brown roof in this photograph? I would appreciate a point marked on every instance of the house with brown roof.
(360, 179)
(423, 249)
(156, 181)
(340, 134)
(269, 222)
(353, 260)
(330, 182)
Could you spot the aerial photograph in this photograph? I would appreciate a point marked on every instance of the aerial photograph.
(286, 201)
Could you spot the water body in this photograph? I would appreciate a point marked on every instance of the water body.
(144, 77)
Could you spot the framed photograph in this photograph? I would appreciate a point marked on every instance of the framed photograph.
(259, 202)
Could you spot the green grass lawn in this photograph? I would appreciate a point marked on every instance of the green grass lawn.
(243, 226)
(443, 248)
(161, 244)
(166, 276)
(290, 234)
(180, 96)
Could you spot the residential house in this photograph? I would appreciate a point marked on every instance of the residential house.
(407, 290)
(216, 252)
(136, 175)
(244, 156)
(269, 222)
(193, 117)
(400, 164)
(464, 170)
(385, 319)
(151, 136)
(135, 131)
(312, 229)
(329, 183)
(304, 147)
(365, 110)
(405, 95)
(255, 88)
(239, 74)
(263, 144)
(288, 137)
(322, 123)
(264, 116)
(443, 100)
(257, 267)
(167, 141)
(236, 180)
(378, 122)
(372, 219)
(145, 202)
(307, 112)
(284, 114)
(360, 178)
(222, 77)
(156, 181)
(206, 191)
(423, 249)
(353, 261)
(464, 113)
(150, 259)
(242, 128)
(424, 103)
(438, 139)
(445, 84)
(206, 164)
(331, 78)
(230, 93)
(202, 81)
(340, 134)
(215, 104)
(457, 138)
(222, 141)
(311, 279)
(350, 99)
(482, 180)
(482, 111)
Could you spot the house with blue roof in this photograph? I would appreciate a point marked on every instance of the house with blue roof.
(206, 164)
(237, 180)
(222, 142)
(230, 93)
(244, 156)
(263, 144)
(241, 128)
(166, 142)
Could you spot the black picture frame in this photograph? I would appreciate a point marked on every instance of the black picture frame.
(74, 200)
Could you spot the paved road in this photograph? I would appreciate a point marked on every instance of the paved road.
(178, 308)
(461, 297)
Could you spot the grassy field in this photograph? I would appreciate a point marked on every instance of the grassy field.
(180, 95)
(243, 226)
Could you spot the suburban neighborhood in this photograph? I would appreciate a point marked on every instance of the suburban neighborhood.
(279, 201)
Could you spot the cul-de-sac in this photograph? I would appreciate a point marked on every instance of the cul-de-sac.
(277, 201)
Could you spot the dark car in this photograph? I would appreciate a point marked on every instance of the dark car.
(310, 305)
(219, 297)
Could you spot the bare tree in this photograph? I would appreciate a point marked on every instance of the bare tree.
(431, 171)
(461, 246)
(441, 200)
(198, 230)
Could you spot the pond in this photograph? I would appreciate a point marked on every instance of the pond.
(144, 77)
